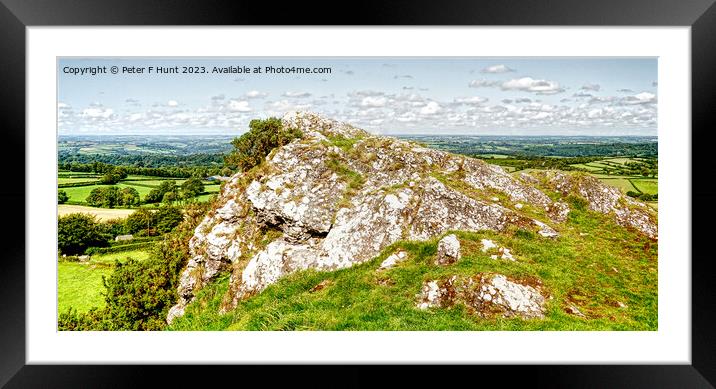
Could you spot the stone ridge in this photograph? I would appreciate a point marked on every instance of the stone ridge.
(339, 195)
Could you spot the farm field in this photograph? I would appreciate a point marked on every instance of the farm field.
(100, 213)
(646, 186)
(622, 183)
(143, 185)
(79, 285)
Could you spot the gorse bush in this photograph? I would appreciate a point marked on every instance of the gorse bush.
(251, 148)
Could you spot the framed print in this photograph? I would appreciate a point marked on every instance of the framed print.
(455, 187)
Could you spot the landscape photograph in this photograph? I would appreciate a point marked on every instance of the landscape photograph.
(357, 194)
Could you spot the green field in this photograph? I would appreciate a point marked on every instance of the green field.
(80, 193)
(622, 183)
(647, 186)
(143, 185)
(79, 285)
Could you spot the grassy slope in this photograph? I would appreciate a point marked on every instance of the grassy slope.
(79, 285)
(593, 272)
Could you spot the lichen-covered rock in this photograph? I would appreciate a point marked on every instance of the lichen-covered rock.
(605, 199)
(339, 196)
(448, 250)
(485, 295)
(393, 260)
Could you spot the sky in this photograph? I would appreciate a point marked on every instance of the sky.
(465, 95)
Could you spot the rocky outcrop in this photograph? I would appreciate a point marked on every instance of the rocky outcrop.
(604, 199)
(486, 295)
(339, 196)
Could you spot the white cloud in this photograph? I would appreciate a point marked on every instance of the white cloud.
(592, 87)
(283, 106)
(430, 108)
(239, 106)
(482, 84)
(529, 84)
(296, 94)
(474, 100)
(254, 94)
(497, 69)
(94, 113)
(371, 101)
(173, 103)
(640, 98)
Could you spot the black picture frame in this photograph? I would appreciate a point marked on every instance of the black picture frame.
(700, 15)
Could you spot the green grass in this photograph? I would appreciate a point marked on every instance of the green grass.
(622, 183)
(595, 271)
(110, 259)
(647, 186)
(79, 285)
(205, 197)
(78, 194)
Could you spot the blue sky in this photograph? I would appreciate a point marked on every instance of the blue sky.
(496, 96)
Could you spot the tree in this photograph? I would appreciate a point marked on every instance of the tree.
(109, 178)
(168, 217)
(251, 148)
(192, 188)
(62, 197)
(128, 197)
(158, 194)
(142, 220)
(77, 231)
(104, 196)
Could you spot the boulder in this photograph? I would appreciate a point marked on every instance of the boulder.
(486, 295)
(448, 250)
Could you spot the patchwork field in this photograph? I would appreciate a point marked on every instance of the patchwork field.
(143, 185)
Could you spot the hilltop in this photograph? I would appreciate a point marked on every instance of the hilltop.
(342, 229)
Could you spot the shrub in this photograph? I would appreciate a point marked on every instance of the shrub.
(142, 220)
(159, 193)
(192, 188)
(62, 197)
(168, 217)
(77, 231)
(251, 148)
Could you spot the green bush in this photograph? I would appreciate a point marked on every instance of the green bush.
(159, 194)
(62, 197)
(77, 232)
(112, 196)
(168, 217)
(251, 148)
(192, 188)
(141, 220)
